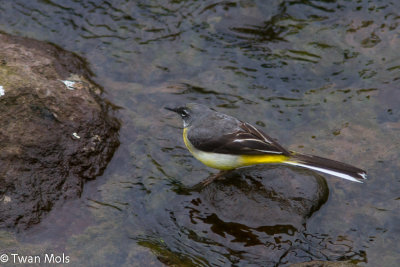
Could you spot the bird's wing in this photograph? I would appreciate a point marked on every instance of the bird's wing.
(246, 140)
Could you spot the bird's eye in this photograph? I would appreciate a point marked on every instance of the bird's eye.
(184, 113)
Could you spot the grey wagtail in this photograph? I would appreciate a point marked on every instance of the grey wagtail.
(224, 142)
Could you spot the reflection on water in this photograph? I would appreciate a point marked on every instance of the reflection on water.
(320, 75)
(256, 215)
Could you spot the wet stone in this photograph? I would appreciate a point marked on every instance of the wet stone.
(250, 195)
(52, 138)
(259, 211)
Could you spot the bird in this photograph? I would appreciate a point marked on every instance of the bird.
(224, 142)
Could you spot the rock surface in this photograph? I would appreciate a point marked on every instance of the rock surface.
(256, 213)
(267, 196)
(56, 132)
(324, 264)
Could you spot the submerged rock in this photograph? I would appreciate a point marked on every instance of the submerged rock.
(256, 214)
(275, 197)
(55, 130)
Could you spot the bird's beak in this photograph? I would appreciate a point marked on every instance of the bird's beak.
(171, 109)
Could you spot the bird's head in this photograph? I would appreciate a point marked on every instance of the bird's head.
(190, 112)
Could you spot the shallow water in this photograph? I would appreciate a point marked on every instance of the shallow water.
(322, 76)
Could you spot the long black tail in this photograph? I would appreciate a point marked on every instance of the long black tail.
(328, 166)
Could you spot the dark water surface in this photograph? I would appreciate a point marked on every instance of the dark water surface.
(322, 76)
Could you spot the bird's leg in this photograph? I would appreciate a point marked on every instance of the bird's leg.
(212, 178)
(200, 186)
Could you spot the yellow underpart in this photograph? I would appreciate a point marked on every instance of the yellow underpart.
(227, 162)
(262, 159)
